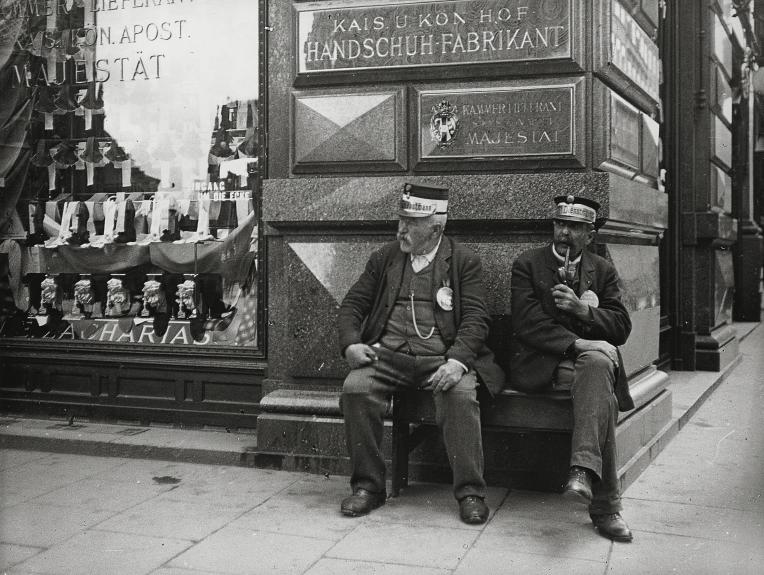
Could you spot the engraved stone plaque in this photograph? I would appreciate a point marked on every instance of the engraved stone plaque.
(379, 35)
(497, 122)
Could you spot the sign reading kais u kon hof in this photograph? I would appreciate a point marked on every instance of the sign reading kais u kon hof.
(432, 33)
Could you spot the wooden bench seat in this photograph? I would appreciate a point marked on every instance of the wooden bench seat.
(412, 410)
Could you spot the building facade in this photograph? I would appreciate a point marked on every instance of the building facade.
(189, 189)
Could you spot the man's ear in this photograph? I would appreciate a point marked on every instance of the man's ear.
(592, 235)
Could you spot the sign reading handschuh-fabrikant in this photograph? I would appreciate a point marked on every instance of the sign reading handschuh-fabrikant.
(432, 33)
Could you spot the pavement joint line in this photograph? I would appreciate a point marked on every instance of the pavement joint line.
(67, 484)
(685, 536)
(721, 377)
(697, 505)
(117, 532)
(408, 524)
(743, 336)
(319, 558)
(609, 557)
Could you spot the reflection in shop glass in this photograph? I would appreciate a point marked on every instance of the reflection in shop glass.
(142, 162)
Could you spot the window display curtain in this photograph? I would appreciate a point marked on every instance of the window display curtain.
(15, 112)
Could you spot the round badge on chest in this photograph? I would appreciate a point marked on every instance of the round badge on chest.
(445, 298)
(590, 298)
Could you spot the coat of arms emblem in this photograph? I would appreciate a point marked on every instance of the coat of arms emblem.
(444, 124)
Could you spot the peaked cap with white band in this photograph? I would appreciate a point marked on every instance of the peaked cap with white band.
(419, 201)
(576, 209)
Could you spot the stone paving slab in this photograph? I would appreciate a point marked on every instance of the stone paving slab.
(39, 525)
(424, 504)
(541, 506)
(102, 494)
(166, 518)
(302, 515)
(741, 490)
(403, 543)
(347, 567)
(712, 524)
(99, 552)
(492, 554)
(549, 537)
(176, 571)
(653, 553)
(10, 458)
(247, 552)
(12, 554)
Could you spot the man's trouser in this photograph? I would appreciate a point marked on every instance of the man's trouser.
(364, 401)
(591, 379)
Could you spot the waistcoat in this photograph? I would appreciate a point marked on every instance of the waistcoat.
(400, 333)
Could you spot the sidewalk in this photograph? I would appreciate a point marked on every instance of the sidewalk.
(146, 509)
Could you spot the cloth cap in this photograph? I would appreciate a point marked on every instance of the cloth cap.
(420, 201)
(576, 209)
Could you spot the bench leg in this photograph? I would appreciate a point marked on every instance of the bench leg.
(400, 451)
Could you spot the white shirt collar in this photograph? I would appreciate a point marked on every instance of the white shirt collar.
(427, 258)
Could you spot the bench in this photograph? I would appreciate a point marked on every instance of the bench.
(412, 411)
(304, 427)
(526, 437)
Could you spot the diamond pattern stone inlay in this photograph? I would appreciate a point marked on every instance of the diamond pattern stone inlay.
(335, 265)
(345, 128)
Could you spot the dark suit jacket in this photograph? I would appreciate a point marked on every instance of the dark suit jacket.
(367, 306)
(543, 334)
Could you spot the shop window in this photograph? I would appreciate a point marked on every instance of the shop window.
(129, 171)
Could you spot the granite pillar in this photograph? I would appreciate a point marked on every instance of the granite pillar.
(748, 252)
(702, 132)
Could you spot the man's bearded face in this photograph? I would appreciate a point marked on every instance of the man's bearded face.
(576, 235)
(417, 235)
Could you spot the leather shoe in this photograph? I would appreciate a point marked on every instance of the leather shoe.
(612, 526)
(579, 485)
(473, 510)
(362, 502)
